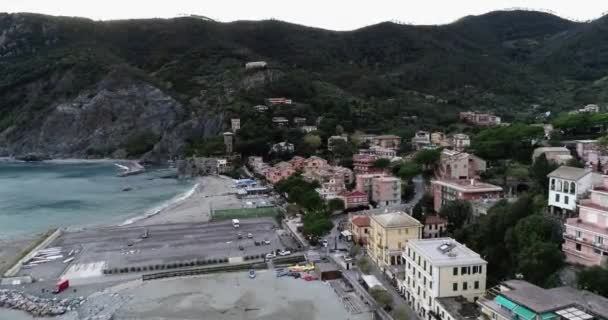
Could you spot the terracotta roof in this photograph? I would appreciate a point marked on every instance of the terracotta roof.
(434, 219)
(360, 221)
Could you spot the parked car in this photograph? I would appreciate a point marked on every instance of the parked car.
(324, 242)
(249, 236)
(309, 277)
(239, 235)
(266, 241)
(241, 248)
(251, 273)
(348, 258)
(257, 243)
(282, 274)
(296, 275)
(284, 253)
(271, 256)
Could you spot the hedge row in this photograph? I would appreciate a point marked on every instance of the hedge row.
(166, 266)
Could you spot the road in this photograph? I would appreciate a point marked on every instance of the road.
(419, 190)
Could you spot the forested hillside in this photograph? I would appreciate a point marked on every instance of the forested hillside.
(75, 87)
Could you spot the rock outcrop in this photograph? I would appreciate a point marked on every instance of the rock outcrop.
(38, 307)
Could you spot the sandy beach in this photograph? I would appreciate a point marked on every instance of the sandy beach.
(210, 193)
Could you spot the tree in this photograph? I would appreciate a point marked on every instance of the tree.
(458, 212)
(312, 140)
(400, 313)
(355, 250)
(409, 170)
(427, 158)
(382, 163)
(335, 204)
(342, 149)
(539, 171)
(364, 265)
(381, 296)
(316, 224)
(539, 262)
(594, 279)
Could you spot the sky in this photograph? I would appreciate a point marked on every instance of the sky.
(328, 14)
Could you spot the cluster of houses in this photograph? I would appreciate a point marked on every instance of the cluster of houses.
(426, 140)
(480, 118)
(588, 151)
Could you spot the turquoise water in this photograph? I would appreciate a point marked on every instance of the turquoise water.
(37, 196)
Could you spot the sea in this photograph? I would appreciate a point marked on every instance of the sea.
(35, 197)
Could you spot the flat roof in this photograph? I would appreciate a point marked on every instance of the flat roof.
(569, 173)
(459, 307)
(468, 185)
(445, 252)
(396, 219)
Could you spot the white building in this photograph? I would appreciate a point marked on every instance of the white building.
(566, 186)
(460, 141)
(282, 147)
(255, 65)
(235, 124)
(421, 139)
(308, 129)
(440, 268)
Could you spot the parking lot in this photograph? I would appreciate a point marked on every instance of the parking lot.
(117, 247)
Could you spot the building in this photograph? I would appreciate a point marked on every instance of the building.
(592, 155)
(299, 121)
(229, 142)
(461, 141)
(359, 227)
(521, 300)
(387, 141)
(389, 234)
(421, 139)
(364, 182)
(297, 162)
(260, 108)
(567, 185)
(282, 147)
(330, 190)
(380, 152)
(456, 308)
(386, 191)
(440, 268)
(586, 237)
(460, 165)
(354, 199)
(481, 207)
(278, 101)
(445, 191)
(367, 138)
(434, 226)
(590, 108)
(308, 129)
(314, 163)
(333, 139)
(559, 155)
(280, 121)
(364, 163)
(437, 138)
(480, 119)
(255, 65)
(235, 124)
(280, 171)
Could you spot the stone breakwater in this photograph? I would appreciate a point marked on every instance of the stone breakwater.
(38, 307)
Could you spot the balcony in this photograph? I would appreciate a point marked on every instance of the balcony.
(579, 255)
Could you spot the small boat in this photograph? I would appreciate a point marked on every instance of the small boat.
(251, 273)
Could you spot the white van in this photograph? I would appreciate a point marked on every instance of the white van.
(235, 223)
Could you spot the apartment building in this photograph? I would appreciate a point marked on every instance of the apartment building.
(434, 226)
(386, 191)
(461, 141)
(480, 119)
(586, 237)
(364, 163)
(521, 300)
(387, 141)
(354, 199)
(359, 227)
(421, 139)
(567, 185)
(445, 191)
(235, 124)
(592, 155)
(440, 268)
(389, 234)
(559, 155)
(460, 165)
(280, 171)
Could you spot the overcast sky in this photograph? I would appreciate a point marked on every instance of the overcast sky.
(329, 14)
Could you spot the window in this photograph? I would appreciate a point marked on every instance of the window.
(463, 270)
(430, 284)
(465, 286)
(424, 281)
(476, 285)
(578, 247)
(455, 286)
(572, 188)
(579, 234)
(455, 271)
(599, 240)
(552, 184)
(598, 252)
(425, 265)
(566, 187)
(556, 197)
(475, 268)
(493, 315)
(566, 199)
(431, 270)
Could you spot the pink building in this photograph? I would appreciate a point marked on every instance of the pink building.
(445, 191)
(459, 165)
(314, 163)
(280, 171)
(586, 237)
(363, 163)
(434, 226)
(297, 163)
(591, 154)
(354, 199)
(386, 191)
(480, 119)
(364, 182)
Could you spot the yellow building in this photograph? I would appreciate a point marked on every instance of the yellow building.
(389, 233)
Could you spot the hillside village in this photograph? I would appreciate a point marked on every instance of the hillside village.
(511, 216)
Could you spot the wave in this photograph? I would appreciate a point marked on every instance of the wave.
(122, 167)
(164, 206)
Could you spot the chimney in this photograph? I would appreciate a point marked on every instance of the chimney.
(473, 181)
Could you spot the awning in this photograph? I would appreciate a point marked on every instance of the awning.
(524, 312)
(505, 302)
(548, 316)
(347, 233)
